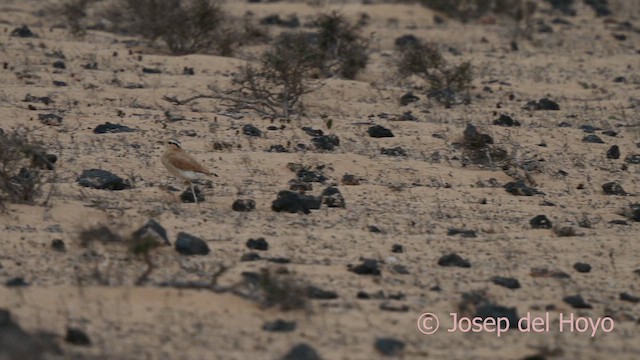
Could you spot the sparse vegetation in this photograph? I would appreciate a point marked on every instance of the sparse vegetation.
(74, 12)
(466, 10)
(23, 163)
(140, 244)
(280, 290)
(448, 84)
(282, 77)
(519, 11)
(341, 47)
(185, 26)
(275, 87)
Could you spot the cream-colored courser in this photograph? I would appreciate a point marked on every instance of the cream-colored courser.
(182, 165)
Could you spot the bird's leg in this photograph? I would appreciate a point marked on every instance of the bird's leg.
(193, 192)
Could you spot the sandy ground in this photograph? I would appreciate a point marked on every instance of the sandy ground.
(413, 200)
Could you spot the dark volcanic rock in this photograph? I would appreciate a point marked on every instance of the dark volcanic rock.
(368, 267)
(397, 248)
(332, 197)
(406, 116)
(577, 302)
(16, 282)
(279, 325)
(486, 311)
(350, 179)
(632, 212)
(518, 188)
(302, 352)
(312, 132)
(618, 222)
(154, 230)
(258, 244)
(187, 244)
(147, 70)
(388, 306)
(109, 128)
(17, 344)
(462, 232)
(326, 142)
(279, 260)
(582, 267)
(314, 292)
(298, 185)
(22, 31)
(595, 139)
(589, 129)
(396, 151)
(509, 283)
(453, 259)
(405, 41)
(292, 202)
(292, 22)
(378, 131)
(613, 188)
(506, 120)
(632, 159)
(77, 337)
(102, 179)
(308, 175)
(90, 66)
(50, 119)
(400, 269)
(251, 130)
(542, 104)
(630, 298)
(187, 195)
(38, 99)
(59, 64)
(566, 7)
(475, 139)
(389, 346)
(58, 245)
(601, 7)
(244, 205)
(541, 222)
(408, 98)
(613, 152)
(277, 149)
(252, 256)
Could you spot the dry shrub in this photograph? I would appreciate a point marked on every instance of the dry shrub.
(275, 87)
(520, 12)
(108, 245)
(24, 164)
(448, 84)
(73, 12)
(479, 148)
(279, 290)
(341, 47)
(185, 26)
(466, 10)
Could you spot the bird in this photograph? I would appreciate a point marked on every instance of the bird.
(182, 165)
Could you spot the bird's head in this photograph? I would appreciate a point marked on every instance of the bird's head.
(173, 144)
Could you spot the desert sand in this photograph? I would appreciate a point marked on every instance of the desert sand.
(411, 200)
